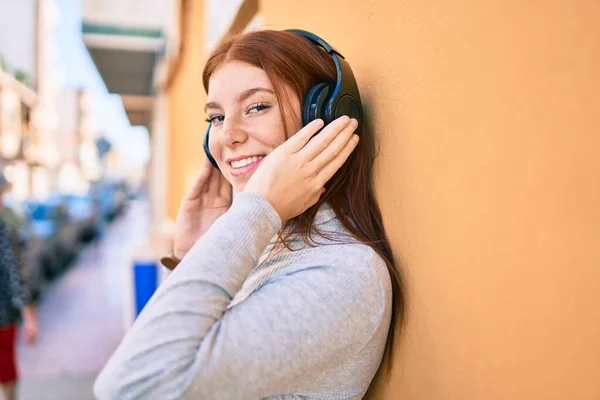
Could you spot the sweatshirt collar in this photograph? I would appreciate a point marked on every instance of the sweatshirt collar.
(324, 214)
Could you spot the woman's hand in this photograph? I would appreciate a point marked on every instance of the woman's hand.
(293, 176)
(208, 199)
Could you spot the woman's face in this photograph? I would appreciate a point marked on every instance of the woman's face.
(246, 122)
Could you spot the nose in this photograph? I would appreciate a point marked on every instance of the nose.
(232, 133)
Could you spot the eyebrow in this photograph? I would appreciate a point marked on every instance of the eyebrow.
(243, 96)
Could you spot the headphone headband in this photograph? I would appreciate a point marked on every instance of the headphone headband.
(315, 39)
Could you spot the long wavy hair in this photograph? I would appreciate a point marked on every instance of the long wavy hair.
(293, 62)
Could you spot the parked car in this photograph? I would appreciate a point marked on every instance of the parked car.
(51, 221)
(84, 215)
(111, 197)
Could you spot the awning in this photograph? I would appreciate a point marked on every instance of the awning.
(126, 59)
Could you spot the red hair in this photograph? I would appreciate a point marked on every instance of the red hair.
(293, 62)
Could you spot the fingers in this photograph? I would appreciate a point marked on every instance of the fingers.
(333, 145)
(301, 138)
(327, 172)
(214, 181)
(218, 186)
(320, 142)
(225, 189)
(199, 184)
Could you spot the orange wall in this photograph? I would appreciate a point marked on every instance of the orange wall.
(489, 180)
(186, 100)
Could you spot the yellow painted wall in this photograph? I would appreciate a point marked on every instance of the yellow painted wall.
(186, 100)
(489, 181)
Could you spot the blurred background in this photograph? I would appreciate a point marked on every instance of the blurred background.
(488, 178)
(78, 86)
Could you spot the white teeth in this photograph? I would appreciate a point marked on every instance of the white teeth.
(245, 161)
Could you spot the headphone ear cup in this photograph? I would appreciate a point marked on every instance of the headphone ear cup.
(207, 149)
(311, 109)
(322, 98)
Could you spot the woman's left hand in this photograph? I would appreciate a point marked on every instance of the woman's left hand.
(293, 176)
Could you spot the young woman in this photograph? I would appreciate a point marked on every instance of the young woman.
(287, 287)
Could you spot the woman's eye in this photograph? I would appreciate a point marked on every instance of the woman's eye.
(258, 107)
(215, 119)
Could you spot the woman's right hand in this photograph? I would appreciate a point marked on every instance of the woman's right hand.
(209, 197)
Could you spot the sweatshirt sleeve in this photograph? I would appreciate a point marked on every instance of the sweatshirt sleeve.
(187, 344)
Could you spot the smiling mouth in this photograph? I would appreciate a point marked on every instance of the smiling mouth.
(241, 167)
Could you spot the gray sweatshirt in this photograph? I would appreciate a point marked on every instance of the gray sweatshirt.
(237, 321)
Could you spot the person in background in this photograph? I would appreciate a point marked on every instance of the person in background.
(15, 303)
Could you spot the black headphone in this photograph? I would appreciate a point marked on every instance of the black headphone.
(326, 101)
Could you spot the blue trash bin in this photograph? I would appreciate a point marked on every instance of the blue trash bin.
(145, 278)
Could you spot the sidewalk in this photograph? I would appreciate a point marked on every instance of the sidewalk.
(81, 315)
